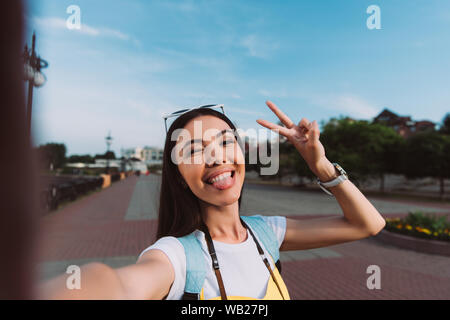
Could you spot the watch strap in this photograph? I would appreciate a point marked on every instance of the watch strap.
(339, 179)
(334, 182)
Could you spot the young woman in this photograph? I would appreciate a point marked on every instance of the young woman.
(201, 234)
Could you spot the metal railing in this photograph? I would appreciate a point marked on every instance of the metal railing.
(56, 189)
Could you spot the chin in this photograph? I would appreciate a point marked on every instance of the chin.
(226, 198)
(226, 201)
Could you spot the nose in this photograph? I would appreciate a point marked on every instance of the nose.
(214, 155)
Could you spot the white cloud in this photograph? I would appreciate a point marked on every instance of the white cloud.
(258, 47)
(54, 23)
(356, 106)
(185, 58)
(183, 6)
(273, 94)
(115, 34)
(244, 110)
(132, 121)
(348, 104)
(264, 93)
(59, 23)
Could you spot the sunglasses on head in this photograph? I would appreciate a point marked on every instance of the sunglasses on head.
(183, 111)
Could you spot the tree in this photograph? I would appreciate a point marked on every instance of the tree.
(365, 149)
(428, 155)
(445, 127)
(385, 148)
(292, 162)
(107, 155)
(287, 154)
(87, 158)
(110, 155)
(52, 155)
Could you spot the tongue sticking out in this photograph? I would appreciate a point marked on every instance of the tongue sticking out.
(224, 183)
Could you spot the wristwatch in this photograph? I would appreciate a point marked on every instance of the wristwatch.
(342, 176)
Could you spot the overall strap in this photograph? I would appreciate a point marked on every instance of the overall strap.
(263, 256)
(195, 267)
(215, 262)
(265, 235)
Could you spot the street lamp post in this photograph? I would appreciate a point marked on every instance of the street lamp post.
(32, 65)
(108, 140)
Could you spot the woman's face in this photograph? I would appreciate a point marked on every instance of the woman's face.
(214, 166)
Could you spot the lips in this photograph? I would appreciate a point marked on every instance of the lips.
(219, 175)
(222, 181)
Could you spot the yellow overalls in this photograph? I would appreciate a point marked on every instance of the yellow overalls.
(195, 275)
(272, 292)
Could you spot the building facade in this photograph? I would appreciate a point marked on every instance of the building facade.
(403, 125)
(149, 155)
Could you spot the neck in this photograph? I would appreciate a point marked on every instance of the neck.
(224, 223)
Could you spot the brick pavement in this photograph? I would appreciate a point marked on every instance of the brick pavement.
(111, 227)
(345, 278)
(95, 227)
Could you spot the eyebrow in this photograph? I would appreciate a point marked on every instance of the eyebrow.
(200, 140)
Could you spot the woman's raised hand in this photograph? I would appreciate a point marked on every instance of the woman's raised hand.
(304, 136)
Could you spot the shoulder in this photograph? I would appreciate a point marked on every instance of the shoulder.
(169, 245)
(174, 251)
(277, 224)
(275, 221)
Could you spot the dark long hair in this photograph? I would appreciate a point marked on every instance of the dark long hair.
(179, 208)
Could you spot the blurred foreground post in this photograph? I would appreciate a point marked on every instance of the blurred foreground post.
(18, 202)
(32, 73)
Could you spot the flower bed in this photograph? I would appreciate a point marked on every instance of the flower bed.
(413, 243)
(420, 225)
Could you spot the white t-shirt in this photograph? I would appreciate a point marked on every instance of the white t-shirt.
(242, 268)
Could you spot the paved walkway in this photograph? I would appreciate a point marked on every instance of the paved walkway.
(113, 226)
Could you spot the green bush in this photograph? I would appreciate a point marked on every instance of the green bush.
(419, 224)
(431, 222)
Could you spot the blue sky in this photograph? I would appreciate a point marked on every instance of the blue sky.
(134, 60)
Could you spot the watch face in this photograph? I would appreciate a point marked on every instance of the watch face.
(340, 169)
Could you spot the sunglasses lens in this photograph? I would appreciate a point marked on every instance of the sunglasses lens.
(185, 110)
(179, 111)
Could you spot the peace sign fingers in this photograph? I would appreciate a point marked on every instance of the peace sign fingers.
(285, 131)
(274, 127)
(283, 118)
(304, 135)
